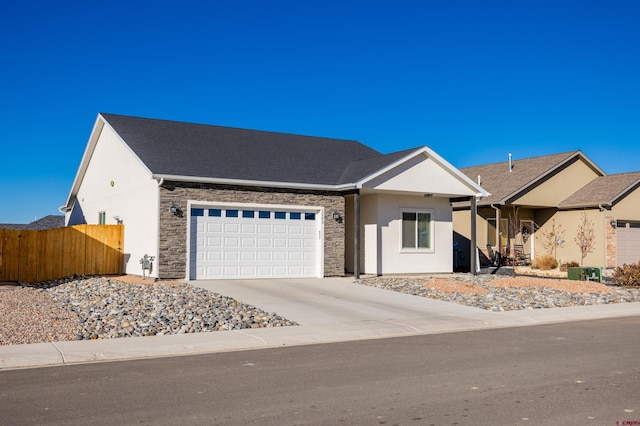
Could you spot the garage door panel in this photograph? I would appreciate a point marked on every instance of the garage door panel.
(264, 229)
(231, 242)
(213, 255)
(295, 242)
(265, 244)
(248, 242)
(213, 227)
(248, 256)
(628, 243)
(214, 242)
(248, 228)
(264, 256)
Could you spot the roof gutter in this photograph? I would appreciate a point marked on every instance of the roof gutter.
(242, 182)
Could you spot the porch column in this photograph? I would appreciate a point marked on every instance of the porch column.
(356, 235)
(474, 243)
(498, 239)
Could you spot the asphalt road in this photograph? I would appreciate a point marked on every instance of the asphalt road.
(562, 374)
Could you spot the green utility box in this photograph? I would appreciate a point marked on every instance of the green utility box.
(587, 273)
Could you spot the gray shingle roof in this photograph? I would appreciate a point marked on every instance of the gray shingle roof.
(47, 222)
(206, 151)
(503, 184)
(604, 190)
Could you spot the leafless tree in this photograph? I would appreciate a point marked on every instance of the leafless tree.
(552, 238)
(585, 237)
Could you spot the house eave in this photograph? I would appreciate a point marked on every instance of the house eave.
(256, 183)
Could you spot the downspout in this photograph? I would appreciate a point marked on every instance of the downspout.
(157, 271)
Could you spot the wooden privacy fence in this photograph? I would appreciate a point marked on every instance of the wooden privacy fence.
(32, 256)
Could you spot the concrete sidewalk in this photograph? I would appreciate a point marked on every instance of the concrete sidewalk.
(328, 310)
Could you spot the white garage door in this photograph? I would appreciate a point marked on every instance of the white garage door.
(254, 243)
(628, 243)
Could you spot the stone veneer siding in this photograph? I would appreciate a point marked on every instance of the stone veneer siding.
(172, 261)
(611, 243)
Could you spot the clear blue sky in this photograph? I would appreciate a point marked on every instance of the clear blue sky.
(473, 80)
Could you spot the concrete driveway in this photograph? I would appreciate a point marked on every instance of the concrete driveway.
(318, 301)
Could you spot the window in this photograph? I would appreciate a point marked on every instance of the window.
(248, 213)
(197, 212)
(263, 214)
(231, 213)
(102, 218)
(309, 216)
(416, 230)
(280, 215)
(295, 215)
(215, 212)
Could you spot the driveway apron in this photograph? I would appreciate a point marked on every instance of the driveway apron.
(316, 301)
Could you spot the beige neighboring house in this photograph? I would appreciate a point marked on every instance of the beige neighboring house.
(547, 191)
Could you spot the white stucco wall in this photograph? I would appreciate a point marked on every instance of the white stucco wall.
(382, 230)
(117, 183)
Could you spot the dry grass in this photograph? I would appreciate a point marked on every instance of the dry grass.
(451, 286)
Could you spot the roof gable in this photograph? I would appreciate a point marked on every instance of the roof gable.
(603, 191)
(505, 185)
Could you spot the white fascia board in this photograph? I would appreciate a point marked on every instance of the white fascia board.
(84, 163)
(243, 182)
(480, 192)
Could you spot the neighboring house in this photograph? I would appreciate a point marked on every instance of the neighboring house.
(216, 202)
(553, 190)
(47, 222)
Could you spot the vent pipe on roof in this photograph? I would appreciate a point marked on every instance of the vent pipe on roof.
(479, 180)
(510, 163)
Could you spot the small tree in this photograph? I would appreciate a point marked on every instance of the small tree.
(552, 238)
(585, 237)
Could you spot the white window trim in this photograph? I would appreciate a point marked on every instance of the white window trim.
(431, 231)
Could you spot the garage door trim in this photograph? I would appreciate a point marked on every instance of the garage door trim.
(192, 250)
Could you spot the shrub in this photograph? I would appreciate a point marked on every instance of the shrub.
(568, 265)
(627, 275)
(546, 262)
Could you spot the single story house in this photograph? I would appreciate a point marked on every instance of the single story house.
(531, 197)
(212, 202)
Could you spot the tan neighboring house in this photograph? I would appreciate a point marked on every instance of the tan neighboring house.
(547, 191)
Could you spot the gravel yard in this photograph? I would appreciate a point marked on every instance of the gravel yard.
(500, 293)
(103, 308)
(111, 307)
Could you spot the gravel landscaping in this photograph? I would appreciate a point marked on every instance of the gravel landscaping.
(500, 293)
(103, 308)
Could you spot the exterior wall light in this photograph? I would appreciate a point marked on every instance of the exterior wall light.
(336, 216)
(175, 210)
(613, 223)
